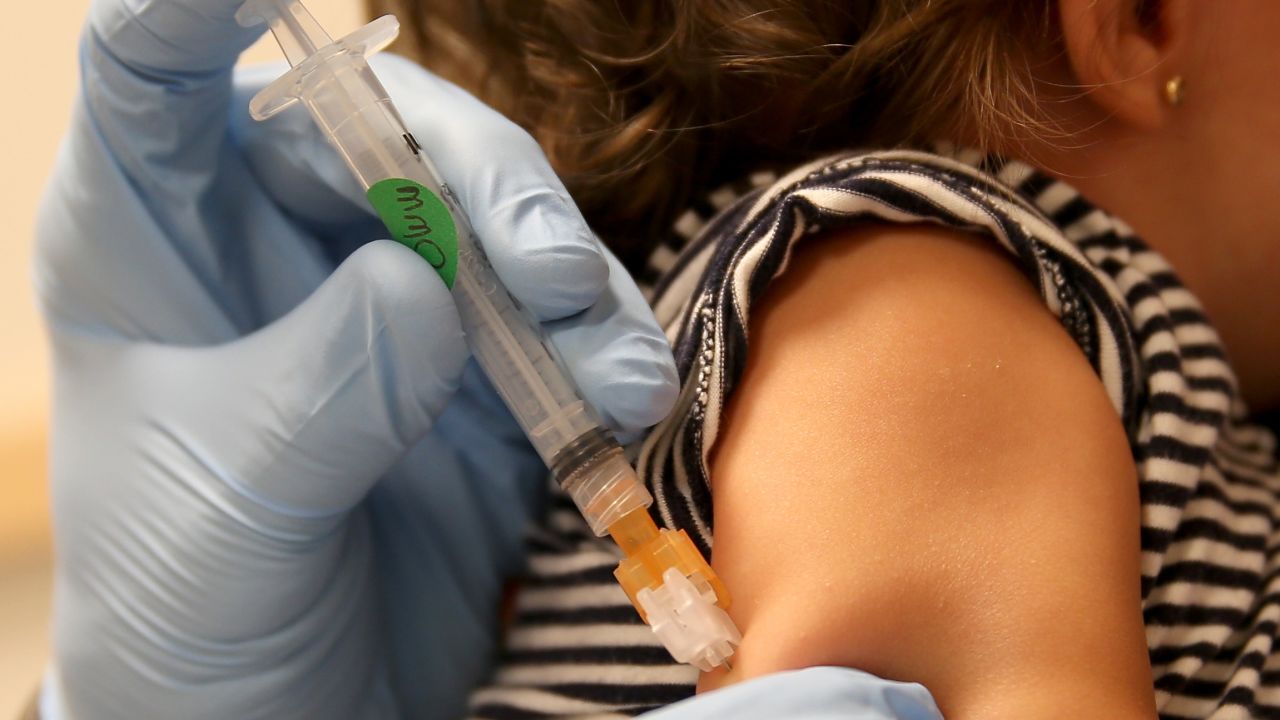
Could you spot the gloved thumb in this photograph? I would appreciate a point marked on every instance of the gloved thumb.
(304, 415)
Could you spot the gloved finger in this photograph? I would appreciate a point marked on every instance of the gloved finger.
(156, 77)
(534, 235)
(615, 350)
(619, 356)
(816, 693)
(313, 408)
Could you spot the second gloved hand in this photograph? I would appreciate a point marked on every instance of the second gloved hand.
(278, 489)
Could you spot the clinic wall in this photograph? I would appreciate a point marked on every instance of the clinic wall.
(38, 73)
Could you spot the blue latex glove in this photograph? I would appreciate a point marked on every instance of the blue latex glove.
(277, 494)
(819, 693)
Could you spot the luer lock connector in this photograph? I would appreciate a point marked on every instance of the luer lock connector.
(675, 591)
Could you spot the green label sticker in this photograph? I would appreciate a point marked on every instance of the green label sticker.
(418, 219)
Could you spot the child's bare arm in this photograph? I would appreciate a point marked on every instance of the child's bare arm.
(921, 476)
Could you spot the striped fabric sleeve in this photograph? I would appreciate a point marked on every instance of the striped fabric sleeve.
(705, 295)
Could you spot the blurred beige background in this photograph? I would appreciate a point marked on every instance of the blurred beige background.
(38, 70)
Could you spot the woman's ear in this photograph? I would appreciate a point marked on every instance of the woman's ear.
(1122, 53)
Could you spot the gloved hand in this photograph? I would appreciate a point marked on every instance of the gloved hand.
(817, 693)
(271, 498)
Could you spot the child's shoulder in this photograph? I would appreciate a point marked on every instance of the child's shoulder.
(914, 430)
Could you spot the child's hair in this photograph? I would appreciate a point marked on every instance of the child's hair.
(638, 104)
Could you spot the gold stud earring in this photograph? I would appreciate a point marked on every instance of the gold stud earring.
(1175, 90)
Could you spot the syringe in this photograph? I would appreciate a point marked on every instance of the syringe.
(666, 578)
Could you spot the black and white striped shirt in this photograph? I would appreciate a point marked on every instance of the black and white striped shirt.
(1208, 477)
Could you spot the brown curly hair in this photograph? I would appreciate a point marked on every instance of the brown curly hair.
(639, 104)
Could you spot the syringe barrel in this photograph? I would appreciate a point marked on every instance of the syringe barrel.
(351, 106)
(684, 603)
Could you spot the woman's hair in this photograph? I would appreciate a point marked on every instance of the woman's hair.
(641, 103)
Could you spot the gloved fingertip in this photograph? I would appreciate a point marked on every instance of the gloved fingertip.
(170, 42)
(320, 403)
(637, 386)
(401, 280)
(561, 280)
(650, 403)
(551, 261)
(407, 297)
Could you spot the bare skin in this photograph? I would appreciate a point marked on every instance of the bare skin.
(976, 527)
(1199, 182)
